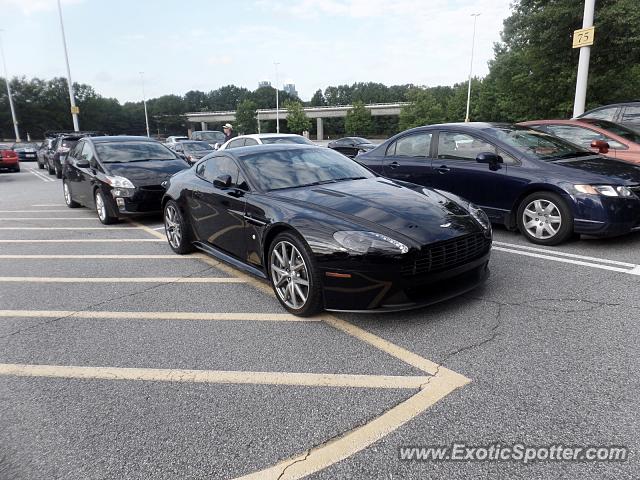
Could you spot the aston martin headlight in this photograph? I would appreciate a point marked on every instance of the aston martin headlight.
(478, 214)
(369, 242)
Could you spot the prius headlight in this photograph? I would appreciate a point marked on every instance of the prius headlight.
(369, 242)
(478, 214)
(122, 186)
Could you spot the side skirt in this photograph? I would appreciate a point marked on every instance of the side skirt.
(220, 255)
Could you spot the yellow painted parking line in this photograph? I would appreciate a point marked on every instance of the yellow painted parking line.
(213, 376)
(320, 457)
(122, 279)
(69, 228)
(85, 240)
(99, 257)
(239, 316)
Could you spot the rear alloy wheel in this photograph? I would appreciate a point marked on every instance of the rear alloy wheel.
(67, 195)
(294, 276)
(176, 229)
(102, 210)
(544, 218)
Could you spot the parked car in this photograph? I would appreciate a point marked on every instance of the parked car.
(212, 137)
(192, 151)
(118, 176)
(351, 146)
(325, 231)
(627, 114)
(265, 139)
(61, 147)
(170, 141)
(26, 151)
(600, 136)
(8, 159)
(43, 151)
(523, 178)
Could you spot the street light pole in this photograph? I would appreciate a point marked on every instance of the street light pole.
(72, 100)
(473, 44)
(144, 101)
(583, 62)
(8, 81)
(277, 100)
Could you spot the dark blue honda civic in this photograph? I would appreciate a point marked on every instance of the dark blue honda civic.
(546, 187)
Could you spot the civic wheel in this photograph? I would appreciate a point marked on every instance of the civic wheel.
(294, 276)
(103, 210)
(67, 196)
(544, 218)
(176, 229)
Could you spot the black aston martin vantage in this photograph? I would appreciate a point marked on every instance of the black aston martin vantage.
(327, 232)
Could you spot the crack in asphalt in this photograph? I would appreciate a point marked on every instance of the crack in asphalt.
(308, 452)
(98, 304)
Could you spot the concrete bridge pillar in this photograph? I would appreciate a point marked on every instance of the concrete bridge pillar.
(203, 125)
(319, 128)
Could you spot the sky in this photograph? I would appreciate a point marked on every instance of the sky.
(206, 44)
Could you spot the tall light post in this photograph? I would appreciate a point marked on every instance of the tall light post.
(72, 100)
(583, 62)
(7, 81)
(277, 100)
(473, 44)
(144, 101)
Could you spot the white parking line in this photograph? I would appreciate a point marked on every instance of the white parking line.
(41, 176)
(564, 254)
(122, 279)
(49, 218)
(48, 205)
(69, 228)
(102, 257)
(33, 211)
(88, 240)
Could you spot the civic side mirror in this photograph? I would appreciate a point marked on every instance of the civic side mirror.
(600, 145)
(492, 159)
(223, 181)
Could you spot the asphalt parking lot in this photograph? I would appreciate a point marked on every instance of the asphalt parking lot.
(120, 359)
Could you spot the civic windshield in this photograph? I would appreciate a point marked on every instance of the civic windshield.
(616, 129)
(296, 139)
(276, 170)
(534, 143)
(112, 152)
(25, 145)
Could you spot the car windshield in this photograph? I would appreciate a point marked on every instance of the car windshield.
(197, 147)
(534, 143)
(25, 145)
(125, 152)
(616, 129)
(212, 136)
(293, 139)
(292, 168)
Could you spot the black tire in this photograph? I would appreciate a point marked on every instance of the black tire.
(102, 209)
(176, 229)
(544, 219)
(58, 172)
(40, 166)
(17, 169)
(50, 170)
(66, 191)
(310, 273)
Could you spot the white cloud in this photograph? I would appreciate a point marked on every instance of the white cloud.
(33, 6)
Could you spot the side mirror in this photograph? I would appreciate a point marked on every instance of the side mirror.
(600, 145)
(82, 164)
(223, 181)
(491, 159)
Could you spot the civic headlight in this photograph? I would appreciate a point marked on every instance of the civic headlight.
(478, 214)
(120, 182)
(605, 190)
(369, 242)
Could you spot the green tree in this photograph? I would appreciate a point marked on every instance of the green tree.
(318, 99)
(297, 120)
(246, 120)
(423, 109)
(358, 120)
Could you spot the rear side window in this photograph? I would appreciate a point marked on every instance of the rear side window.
(631, 114)
(236, 143)
(603, 113)
(414, 145)
(217, 166)
(461, 146)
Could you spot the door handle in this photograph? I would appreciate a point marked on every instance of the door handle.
(443, 169)
(393, 165)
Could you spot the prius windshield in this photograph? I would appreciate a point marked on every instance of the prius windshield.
(125, 152)
(534, 143)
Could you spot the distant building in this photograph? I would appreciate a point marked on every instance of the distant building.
(290, 88)
(264, 83)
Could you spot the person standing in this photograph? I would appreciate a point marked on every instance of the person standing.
(228, 132)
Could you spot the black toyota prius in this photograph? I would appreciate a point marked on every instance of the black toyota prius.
(118, 176)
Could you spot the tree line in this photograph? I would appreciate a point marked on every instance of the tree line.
(532, 75)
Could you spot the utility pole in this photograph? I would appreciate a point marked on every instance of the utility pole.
(277, 100)
(72, 100)
(585, 55)
(8, 81)
(144, 101)
(473, 44)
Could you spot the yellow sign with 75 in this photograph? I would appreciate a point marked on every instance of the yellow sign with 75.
(583, 37)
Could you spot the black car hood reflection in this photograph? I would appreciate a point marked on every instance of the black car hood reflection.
(607, 167)
(384, 203)
(151, 172)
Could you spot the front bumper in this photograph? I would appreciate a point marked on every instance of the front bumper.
(9, 165)
(145, 200)
(606, 216)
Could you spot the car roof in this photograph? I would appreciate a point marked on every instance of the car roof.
(122, 138)
(268, 135)
(243, 151)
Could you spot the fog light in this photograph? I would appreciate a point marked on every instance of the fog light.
(120, 202)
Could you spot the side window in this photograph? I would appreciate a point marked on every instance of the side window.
(239, 142)
(249, 142)
(603, 114)
(195, 136)
(87, 153)
(415, 145)
(242, 182)
(583, 136)
(179, 148)
(460, 146)
(218, 166)
(200, 169)
(75, 151)
(631, 114)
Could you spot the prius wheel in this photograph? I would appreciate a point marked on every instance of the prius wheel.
(103, 210)
(58, 172)
(67, 195)
(294, 276)
(176, 229)
(544, 218)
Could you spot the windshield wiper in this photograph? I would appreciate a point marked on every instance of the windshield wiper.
(569, 155)
(348, 178)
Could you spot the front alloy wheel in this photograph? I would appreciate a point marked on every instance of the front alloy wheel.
(67, 195)
(176, 229)
(102, 210)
